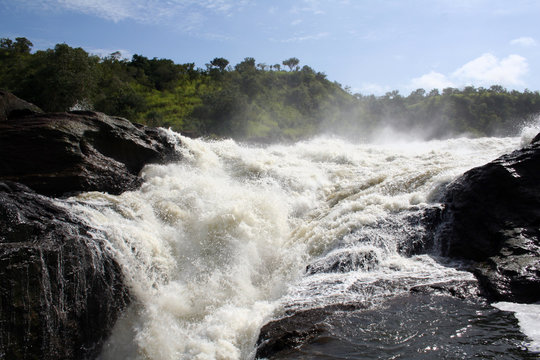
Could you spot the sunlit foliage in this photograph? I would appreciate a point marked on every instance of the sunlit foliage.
(250, 100)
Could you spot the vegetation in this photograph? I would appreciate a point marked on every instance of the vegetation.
(248, 101)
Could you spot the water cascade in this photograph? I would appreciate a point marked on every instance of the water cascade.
(216, 245)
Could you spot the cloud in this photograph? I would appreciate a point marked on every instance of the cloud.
(317, 36)
(186, 13)
(488, 70)
(432, 80)
(526, 41)
(309, 6)
(485, 70)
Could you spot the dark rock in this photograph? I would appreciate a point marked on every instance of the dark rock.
(492, 217)
(60, 290)
(13, 107)
(64, 153)
(460, 289)
(536, 139)
(296, 329)
(414, 230)
(401, 327)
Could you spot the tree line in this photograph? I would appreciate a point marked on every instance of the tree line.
(250, 100)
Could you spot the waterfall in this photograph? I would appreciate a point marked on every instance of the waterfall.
(218, 244)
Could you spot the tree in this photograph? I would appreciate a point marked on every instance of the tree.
(220, 63)
(57, 79)
(291, 63)
(22, 45)
(246, 66)
(6, 44)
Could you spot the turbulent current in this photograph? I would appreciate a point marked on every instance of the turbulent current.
(233, 236)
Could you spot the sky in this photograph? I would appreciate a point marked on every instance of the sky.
(368, 46)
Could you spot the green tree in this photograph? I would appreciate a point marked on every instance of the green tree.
(220, 63)
(248, 65)
(291, 63)
(57, 79)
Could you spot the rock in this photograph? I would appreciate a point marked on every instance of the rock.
(345, 260)
(13, 107)
(65, 153)
(461, 289)
(491, 217)
(420, 325)
(60, 290)
(297, 328)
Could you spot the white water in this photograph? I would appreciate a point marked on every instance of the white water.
(214, 246)
(528, 316)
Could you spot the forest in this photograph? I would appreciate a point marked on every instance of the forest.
(248, 101)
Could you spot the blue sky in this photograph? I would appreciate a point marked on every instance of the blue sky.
(369, 46)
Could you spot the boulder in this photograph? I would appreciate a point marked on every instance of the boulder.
(13, 107)
(65, 153)
(60, 290)
(491, 218)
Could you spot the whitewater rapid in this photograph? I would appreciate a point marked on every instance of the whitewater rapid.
(214, 246)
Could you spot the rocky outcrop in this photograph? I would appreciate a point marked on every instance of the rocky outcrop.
(491, 218)
(13, 107)
(65, 153)
(60, 290)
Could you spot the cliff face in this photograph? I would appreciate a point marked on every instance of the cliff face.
(492, 219)
(61, 291)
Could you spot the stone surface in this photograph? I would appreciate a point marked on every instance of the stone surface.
(60, 290)
(12, 107)
(491, 218)
(65, 153)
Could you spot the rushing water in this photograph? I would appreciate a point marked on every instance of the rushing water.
(218, 244)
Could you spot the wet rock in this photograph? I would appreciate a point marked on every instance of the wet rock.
(60, 290)
(460, 289)
(65, 153)
(13, 107)
(345, 260)
(420, 325)
(283, 334)
(492, 218)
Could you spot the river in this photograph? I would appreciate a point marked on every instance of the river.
(235, 235)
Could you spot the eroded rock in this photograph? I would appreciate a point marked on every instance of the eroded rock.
(65, 153)
(60, 290)
(492, 218)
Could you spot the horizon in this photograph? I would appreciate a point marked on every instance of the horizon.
(368, 48)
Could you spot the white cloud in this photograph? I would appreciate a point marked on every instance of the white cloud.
(485, 70)
(526, 41)
(185, 13)
(310, 6)
(488, 70)
(305, 37)
(432, 80)
(110, 10)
